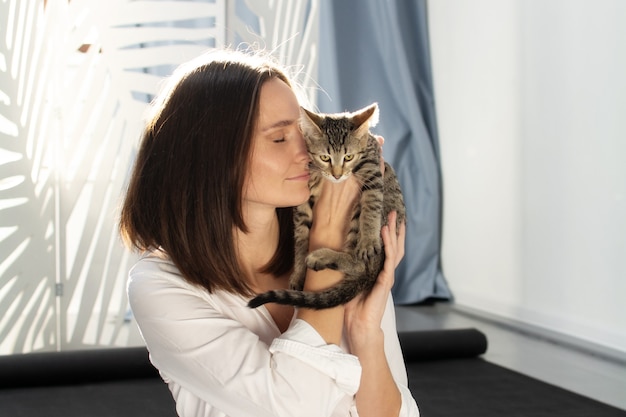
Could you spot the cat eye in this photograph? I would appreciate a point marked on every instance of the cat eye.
(324, 158)
(348, 157)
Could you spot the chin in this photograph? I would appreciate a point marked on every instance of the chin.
(304, 197)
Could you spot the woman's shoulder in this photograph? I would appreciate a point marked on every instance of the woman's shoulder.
(156, 261)
(155, 267)
(156, 272)
(156, 276)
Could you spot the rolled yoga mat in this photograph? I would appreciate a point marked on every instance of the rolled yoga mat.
(98, 365)
(422, 345)
(75, 367)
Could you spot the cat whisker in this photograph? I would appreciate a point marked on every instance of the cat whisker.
(332, 138)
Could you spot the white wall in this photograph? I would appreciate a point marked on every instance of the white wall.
(531, 103)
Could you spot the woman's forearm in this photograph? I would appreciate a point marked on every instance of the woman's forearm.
(328, 322)
(378, 393)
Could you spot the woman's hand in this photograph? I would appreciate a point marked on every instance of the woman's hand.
(331, 214)
(378, 394)
(363, 315)
(330, 223)
(332, 209)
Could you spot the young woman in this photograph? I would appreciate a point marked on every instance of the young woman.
(221, 164)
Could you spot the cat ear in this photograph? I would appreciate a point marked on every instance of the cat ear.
(365, 118)
(310, 123)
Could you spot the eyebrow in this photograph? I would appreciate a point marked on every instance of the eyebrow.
(281, 123)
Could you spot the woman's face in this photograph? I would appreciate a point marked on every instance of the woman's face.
(278, 174)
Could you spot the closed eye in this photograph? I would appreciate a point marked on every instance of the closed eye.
(280, 140)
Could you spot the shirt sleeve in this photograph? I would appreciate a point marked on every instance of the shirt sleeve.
(227, 367)
(393, 351)
(302, 342)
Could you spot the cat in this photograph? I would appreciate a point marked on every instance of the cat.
(341, 145)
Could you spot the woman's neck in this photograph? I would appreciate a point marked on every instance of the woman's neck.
(257, 247)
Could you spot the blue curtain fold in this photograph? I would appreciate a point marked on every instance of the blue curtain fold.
(378, 51)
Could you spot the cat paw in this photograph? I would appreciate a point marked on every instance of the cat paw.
(321, 259)
(366, 251)
(296, 281)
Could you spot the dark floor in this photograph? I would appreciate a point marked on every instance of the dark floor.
(536, 355)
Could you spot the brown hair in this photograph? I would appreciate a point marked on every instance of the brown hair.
(185, 191)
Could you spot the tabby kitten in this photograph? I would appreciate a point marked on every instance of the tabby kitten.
(341, 145)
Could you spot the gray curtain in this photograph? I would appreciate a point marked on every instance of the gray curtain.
(378, 51)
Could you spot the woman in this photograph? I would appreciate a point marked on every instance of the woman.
(221, 164)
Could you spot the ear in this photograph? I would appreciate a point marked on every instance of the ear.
(310, 123)
(365, 118)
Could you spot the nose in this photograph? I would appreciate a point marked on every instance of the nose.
(301, 151)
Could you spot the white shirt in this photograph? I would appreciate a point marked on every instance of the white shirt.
(221, 358)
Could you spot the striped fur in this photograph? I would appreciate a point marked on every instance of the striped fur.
(341, 145)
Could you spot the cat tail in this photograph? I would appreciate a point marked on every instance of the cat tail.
(274, 296)
(331, 297)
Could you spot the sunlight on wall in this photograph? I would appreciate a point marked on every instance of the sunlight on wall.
(75, 80)
(75, 77)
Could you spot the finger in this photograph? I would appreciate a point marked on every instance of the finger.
(401, 242)
(392, 220)
(393, 228)
(397, 237)
(386, 277)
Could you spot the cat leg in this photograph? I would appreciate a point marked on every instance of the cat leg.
(302, 227)
(325, 258)
(296, 280)
(393, 200)
(369, 243)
